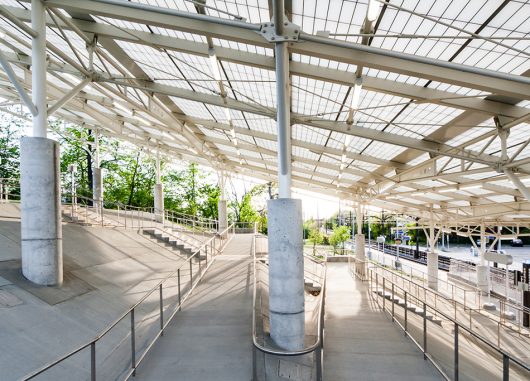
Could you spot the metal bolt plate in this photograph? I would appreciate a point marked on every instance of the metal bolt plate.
(290, 32)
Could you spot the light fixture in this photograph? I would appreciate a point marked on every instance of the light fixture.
(447, 190)
(214, 64)
(418, 194)
(356, 94)
(373, 10)
(235, 142)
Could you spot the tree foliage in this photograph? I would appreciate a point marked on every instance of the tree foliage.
(130, 174)
(340, 235)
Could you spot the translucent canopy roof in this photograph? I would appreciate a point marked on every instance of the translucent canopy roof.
(413, 106)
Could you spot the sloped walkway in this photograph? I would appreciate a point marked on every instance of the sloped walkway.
(210, 339)
(361, 342)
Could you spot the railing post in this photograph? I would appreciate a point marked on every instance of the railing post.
(384, 297)
(406, 312)
(93, 361)
(424, 330)
(319, 363)
(161, 310)
(393, 302)
(376, 287)
(178, 278)
(191, 273)
(133, 344)
(456, 352)
(254, 365)
(200, 269)
(505, 367)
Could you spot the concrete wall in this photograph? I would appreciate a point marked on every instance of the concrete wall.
(41, 230)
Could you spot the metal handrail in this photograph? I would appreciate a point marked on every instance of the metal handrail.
(318, 345)
(520, 309)
(506, 356)
(130, 312)
(435, 293)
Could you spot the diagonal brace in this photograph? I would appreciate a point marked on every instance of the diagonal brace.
(20, 89)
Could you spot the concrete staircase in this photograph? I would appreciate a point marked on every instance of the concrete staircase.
(410, 306)
(86, 217)
(175, 241)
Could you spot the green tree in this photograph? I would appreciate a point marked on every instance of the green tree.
(316, 237)
(10, 131)
(340, 235)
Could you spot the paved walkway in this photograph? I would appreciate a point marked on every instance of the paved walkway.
(210, 339)
(361, 341)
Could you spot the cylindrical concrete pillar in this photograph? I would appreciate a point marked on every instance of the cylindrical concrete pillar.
(286, 273)
(159, 202)
(482, 277)
(432, 268)
(41, 231)
(97, 185)
(360, 253)
(223, 216)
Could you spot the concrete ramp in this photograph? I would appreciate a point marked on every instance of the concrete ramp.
(210, 339)
(106, 271)
(361, 342)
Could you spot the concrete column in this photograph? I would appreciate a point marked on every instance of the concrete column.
(359, 240)
(97, 185)
(41, 231)
(223, 216)
(432, 258)
(97, 174)
(222, 212)
(482, 269)
(159, 191)
(159, 202)
(286, 273)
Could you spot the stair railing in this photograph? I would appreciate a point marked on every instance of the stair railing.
(380, 283)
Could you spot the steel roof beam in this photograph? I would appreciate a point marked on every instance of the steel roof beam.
(315, 46)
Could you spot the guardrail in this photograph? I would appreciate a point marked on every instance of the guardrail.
(9, 189)
(397, 291)
(468, 306)
(216, 245)
(471, 298)
(316, 347)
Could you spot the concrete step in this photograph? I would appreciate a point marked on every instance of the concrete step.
(410, 307)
